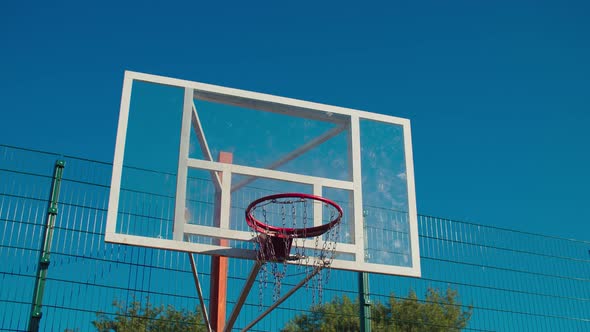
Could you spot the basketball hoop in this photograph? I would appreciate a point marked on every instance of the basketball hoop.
(282, 222)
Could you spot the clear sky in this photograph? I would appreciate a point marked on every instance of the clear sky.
(497, 91)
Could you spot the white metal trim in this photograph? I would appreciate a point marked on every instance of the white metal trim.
(208, 249)
(263, 97)
(230, 234)
(357, 193)
(269, 174)
(115, 189)
(182, 174)
(216, 232)
(375, 268)
(318, 183)
(249, 254)
(225, 197)
(412, 205)
(317, 208)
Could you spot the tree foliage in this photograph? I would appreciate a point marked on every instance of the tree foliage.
(439, 312)
(137, 317)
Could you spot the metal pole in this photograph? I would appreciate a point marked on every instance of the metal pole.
(316, 270)
(35, 317)
(243, 295)
(199, 291)
(364, 302)
(219, 264)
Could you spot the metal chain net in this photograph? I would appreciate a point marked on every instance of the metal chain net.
(296, 213)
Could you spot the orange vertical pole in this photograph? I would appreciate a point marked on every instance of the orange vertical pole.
(218, 289)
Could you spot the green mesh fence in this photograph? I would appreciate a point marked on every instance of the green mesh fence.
(510, 280)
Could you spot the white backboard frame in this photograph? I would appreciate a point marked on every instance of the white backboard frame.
(348, 117)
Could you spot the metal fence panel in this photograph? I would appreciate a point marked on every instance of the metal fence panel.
(513, 280)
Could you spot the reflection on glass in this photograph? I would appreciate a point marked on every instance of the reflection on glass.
(385, 194)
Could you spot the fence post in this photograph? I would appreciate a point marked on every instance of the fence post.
(45, 251)
(364, 302)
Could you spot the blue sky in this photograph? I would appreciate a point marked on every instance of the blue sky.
(497, 91)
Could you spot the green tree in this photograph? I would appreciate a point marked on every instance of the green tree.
(137, 317)
(341, 314)
(437, 313)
